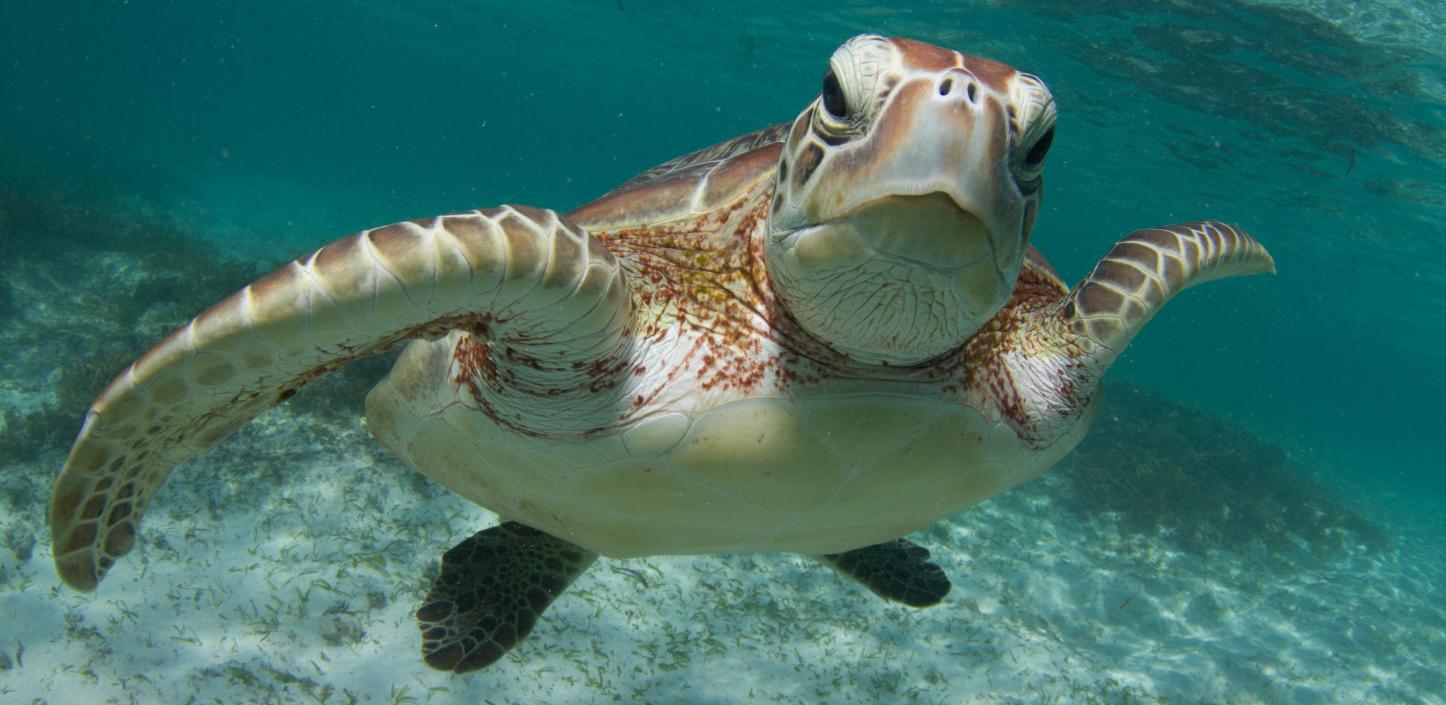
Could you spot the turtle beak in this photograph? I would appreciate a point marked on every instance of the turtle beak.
(931, 230)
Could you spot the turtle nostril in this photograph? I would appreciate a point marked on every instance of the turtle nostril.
(971, 89)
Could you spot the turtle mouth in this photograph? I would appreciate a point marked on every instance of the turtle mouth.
(930, 230)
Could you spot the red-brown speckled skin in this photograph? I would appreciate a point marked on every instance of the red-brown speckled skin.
(700, 277)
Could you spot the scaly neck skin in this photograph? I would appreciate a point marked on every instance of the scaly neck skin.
(708, 274)
(896, 283)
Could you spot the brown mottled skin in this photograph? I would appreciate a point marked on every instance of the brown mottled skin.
(707, 274)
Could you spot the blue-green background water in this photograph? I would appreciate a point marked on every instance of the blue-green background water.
(1317, 126)
(282, 125)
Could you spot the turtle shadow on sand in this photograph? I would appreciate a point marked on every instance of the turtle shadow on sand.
(1203, 482)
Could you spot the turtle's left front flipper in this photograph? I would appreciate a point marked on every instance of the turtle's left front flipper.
(526, 280)
(898, 570)
(492, 589)
(1143, 271)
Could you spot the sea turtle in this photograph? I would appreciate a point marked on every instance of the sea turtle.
(817, 338)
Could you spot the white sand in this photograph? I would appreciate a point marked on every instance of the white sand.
(284, 566)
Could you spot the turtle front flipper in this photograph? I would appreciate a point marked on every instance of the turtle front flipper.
(897, 570)
(1146, 269)
(492, 589)
(510, 275)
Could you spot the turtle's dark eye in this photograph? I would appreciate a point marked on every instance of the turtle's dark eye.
(833, 97)
(1035, 157)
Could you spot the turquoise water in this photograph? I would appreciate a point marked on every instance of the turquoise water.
(269, 127)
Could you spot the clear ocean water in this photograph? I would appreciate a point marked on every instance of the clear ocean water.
(253, 132)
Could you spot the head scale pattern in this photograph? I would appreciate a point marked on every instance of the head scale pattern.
(905, 196)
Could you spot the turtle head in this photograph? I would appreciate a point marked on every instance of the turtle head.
(906, 192)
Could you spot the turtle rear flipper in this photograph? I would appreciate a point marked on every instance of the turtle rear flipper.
(897, 570)
(492, 589)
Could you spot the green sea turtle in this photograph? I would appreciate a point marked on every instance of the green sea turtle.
(817, 338)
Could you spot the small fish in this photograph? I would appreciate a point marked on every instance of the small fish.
(1128, 600)
(632, 573)
(1352, 166)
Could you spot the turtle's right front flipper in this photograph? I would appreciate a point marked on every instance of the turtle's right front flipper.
(510, 274)
(492, 589)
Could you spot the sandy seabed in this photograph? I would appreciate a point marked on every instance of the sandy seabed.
(284, 566)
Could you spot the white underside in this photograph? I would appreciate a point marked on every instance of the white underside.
(823, 474)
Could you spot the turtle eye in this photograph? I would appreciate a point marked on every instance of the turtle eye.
(833, 97)
(1035, 157)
